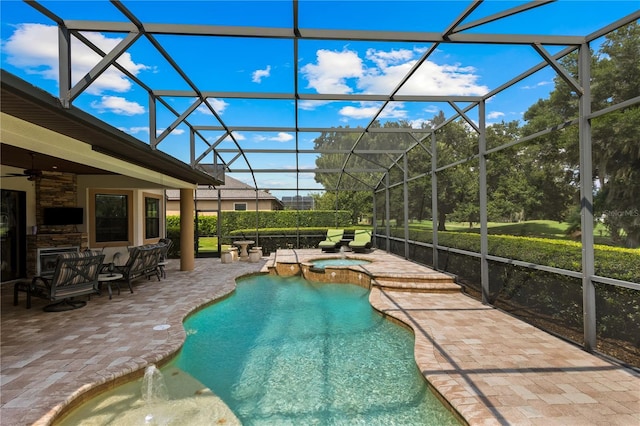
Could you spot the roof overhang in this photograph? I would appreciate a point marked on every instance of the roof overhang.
(37, 121)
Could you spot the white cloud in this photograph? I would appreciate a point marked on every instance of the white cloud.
(136, 130)
(176, 132)
(417, 124)
(311, 105)
(394, 110)
(282, 137)
(258, 75)
(238, 136)
(380, 72)
(369, 109)
(218, 105)
(332, 70)
(117, 105)
(383, 59)
(34, 48)
(359, 112)
(435, 79)
(495, 114)
(539, 84)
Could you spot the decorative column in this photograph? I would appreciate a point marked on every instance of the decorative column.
(187, 240)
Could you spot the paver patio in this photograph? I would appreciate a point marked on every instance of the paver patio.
(492, 368)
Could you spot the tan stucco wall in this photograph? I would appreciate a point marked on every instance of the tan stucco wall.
(173, 206)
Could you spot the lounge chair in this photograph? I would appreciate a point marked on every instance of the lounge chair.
(76, 274)
(361, 240)
(333, 240)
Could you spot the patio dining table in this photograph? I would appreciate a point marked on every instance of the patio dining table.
(243, 244)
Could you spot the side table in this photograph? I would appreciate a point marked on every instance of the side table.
(110, 278)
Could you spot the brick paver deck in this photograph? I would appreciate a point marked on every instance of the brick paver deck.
(491, 367)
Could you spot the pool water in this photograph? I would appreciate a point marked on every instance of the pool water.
(322, 263)
(288, 351)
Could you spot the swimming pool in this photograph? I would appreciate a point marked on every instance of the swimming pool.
(289, 351)
(282, 351)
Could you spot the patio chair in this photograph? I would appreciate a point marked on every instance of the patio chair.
(332, 241)
(361, 240)
(76, 274)
(142, 262)
(116, 255)
(164, 255)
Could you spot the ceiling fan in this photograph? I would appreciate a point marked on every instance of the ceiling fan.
(30, 174)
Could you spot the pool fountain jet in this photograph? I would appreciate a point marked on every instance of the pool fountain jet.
(154, 390)
(342, 253)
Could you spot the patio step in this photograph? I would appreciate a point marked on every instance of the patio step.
(429, 283)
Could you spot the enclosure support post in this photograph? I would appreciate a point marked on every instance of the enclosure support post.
(434, 199)
(405, 190)
(484, 238)
(64, 65)
(374, 219)
(387, 209)
(586, 197)
(219, 223)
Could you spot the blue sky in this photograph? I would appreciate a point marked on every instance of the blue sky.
(29, 50)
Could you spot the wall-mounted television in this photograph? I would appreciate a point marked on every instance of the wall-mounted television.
(62, 216)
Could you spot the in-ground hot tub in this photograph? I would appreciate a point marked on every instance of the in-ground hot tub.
(323, 263)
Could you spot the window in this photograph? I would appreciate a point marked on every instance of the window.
(151, 217)
(111, 217)
(240, 206)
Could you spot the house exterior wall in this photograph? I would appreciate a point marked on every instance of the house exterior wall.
(108, 183)
(210, 207)
(68, 190)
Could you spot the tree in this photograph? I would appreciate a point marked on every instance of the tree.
(457, 185)
(616, 151)
(511, 195)
(356, 197)
(616, 148)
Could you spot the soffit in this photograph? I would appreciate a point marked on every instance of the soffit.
(31, 104)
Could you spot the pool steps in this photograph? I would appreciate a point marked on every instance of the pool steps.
(292, 263)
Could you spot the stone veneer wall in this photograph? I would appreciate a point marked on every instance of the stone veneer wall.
(53, 189)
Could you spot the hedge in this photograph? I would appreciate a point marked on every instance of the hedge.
(612, 262)
(246, 220)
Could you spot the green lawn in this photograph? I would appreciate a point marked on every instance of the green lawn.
(208, 244)
(539, 228)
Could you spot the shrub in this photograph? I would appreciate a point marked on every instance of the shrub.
(612, 262)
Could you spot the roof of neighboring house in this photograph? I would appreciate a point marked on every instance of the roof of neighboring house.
(233, 189)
